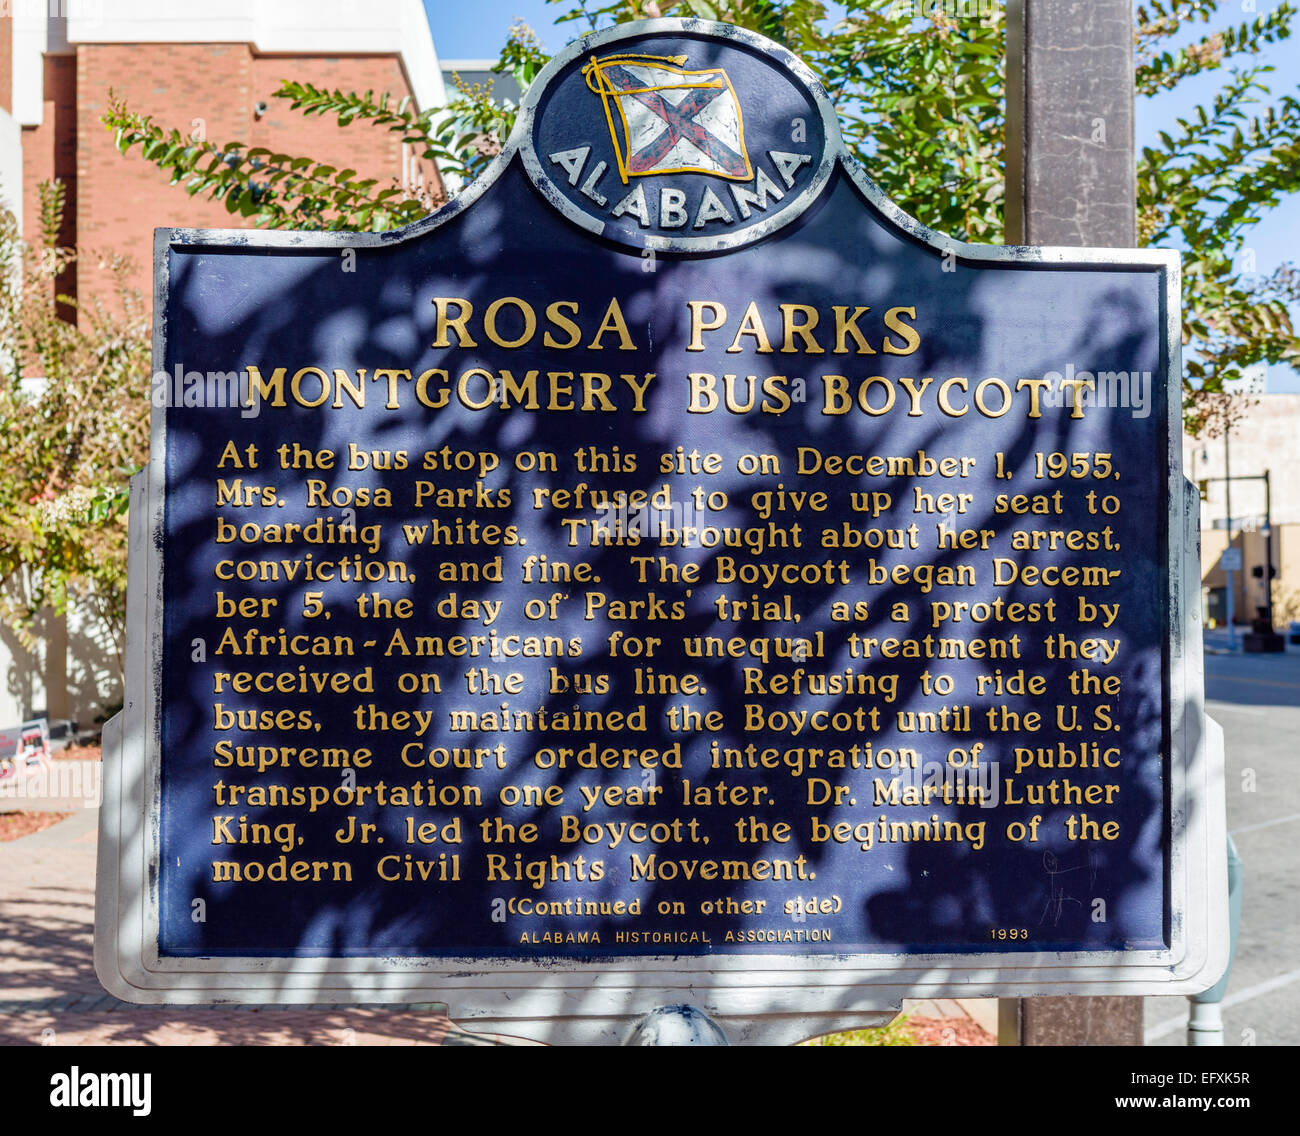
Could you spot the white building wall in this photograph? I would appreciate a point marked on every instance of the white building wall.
(22, 680)
(324, 27)
(30, 37)
(1265, 436)
(11, 165)
(318, 27)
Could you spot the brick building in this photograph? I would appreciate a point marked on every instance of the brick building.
(209, 70)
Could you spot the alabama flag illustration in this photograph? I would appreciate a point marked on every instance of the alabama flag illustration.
(664, 119)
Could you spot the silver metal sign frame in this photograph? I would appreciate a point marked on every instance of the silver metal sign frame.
(561, 998)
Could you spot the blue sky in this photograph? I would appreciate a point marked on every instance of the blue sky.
(477, 30)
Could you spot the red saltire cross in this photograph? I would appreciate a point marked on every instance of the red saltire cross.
(679, 123)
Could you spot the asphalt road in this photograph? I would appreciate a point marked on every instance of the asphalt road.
(1256, 699)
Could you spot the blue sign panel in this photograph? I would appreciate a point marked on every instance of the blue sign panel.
(668, 549)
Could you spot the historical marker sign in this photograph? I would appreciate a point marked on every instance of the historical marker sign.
(667, 566)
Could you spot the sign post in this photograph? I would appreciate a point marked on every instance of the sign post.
(668, 573)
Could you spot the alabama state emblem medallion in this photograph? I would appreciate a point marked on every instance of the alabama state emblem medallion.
(679, 136)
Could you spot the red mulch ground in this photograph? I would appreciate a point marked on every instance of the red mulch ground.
(949, 1031)
(78, 753)
(21, 823)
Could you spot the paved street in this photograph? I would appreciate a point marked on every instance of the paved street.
(1256, 699)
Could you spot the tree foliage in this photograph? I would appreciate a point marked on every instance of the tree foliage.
(1206, 185)
(73, 427)
(921, 98)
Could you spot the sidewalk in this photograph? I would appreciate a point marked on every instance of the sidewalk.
(49, 994)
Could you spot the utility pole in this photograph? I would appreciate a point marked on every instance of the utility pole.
(1229, 571)
(1268, 547)
(1071, 180)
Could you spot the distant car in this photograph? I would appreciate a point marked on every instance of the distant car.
(24, 747)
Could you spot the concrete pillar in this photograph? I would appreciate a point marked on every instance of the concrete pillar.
(1071, 171)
